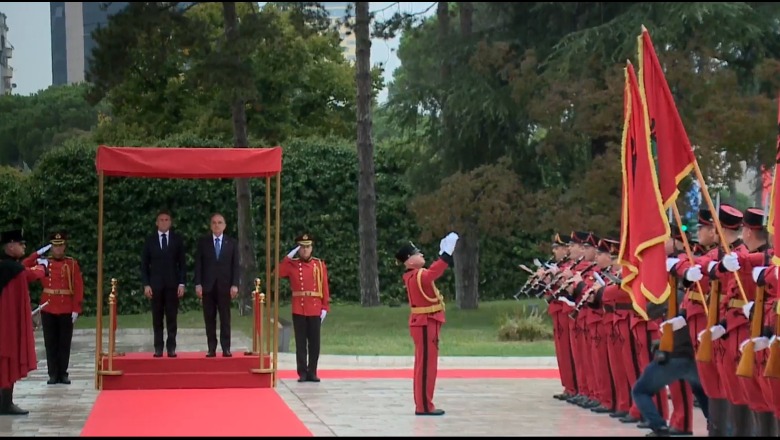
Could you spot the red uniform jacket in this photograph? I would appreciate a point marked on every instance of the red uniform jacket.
(63, 287)
(425, 300)
(17, 350)
(309, 285)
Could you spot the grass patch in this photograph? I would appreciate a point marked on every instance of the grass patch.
(352, 329)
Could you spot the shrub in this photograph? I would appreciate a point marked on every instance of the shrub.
(524, 325)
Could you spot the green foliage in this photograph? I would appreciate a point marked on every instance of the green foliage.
(319, 191)
(31, 125)
(524, 325)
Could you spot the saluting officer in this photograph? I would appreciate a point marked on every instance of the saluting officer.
(63, 288)
(308, 277)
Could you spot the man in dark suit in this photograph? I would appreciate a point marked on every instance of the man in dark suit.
(163, 271)
(217, 273)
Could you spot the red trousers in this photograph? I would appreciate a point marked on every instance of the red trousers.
(708, 371)
(599, 356)
(563, 351)
(426, 364)
(682, 406)
(639, 355)
(617, 368)
(770, 387)
(578, 341)
(726, 363)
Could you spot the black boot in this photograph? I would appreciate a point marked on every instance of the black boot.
(743, 421)
(718, 419)
(7, 405)
(765, 424)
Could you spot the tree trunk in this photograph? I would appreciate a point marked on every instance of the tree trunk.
(246, 234)
(467, 269)
(369, 260)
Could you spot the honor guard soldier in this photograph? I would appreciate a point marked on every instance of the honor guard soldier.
(427, 316)
(308, 277)
(63, 289)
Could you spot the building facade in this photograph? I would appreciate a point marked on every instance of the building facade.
(6, 53)
(72, 24)
(338, 11)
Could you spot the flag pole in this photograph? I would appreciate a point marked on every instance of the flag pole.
(716, 220)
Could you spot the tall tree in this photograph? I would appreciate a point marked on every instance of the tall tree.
(238, 84)
(369, 260)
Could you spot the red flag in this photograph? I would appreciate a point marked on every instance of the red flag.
(773, 222)
(644, 226)
(667, 133)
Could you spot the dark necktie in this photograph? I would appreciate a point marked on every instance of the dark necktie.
(164, 241)
(217, 247)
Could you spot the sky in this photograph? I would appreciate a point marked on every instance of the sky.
(30, 34)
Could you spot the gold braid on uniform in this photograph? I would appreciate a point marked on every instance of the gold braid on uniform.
(439, 298)
(68, 275)
(318, 277)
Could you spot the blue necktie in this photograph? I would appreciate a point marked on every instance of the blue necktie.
(217, 246)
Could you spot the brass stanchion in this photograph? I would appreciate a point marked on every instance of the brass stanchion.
(260, 304)
(111, 332)
(256, 323)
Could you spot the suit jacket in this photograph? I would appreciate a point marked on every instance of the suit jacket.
(217, 273)
(163, 269)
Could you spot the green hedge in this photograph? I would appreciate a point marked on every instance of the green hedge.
(319, 195)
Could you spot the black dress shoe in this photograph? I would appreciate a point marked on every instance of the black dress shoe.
(158, 354)
(643, 425)
(52, 381)
(436, 412)
(171, 354)
(65, 381)
(660, 432)
(301, 379)
(227, 353)
(210, 354)
(601, 410)
(673, 431)
(628, 419)
(312, 379)
(618, 415)
(13, 410)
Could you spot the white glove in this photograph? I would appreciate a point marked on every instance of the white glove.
(677, 322)
(670, 262)
(567, 301)
(43, 262)
(760, 343)
(731, 262)
(757, 272)
(711, 265)
(746, 309)
(717, 332)
(73, 316)
(323, 313)
(293, 252)
(694, 274)
(447, 244)
(43, 250)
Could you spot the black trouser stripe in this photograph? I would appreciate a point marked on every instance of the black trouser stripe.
(573, 367)
(686, 414)
(424, 381)
(611, 383)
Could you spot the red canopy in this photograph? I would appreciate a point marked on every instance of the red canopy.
(189, 163)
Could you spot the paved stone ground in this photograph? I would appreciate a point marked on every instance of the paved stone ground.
(500, 407)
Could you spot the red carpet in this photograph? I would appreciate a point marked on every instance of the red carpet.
(406, 373)
(198, 413)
